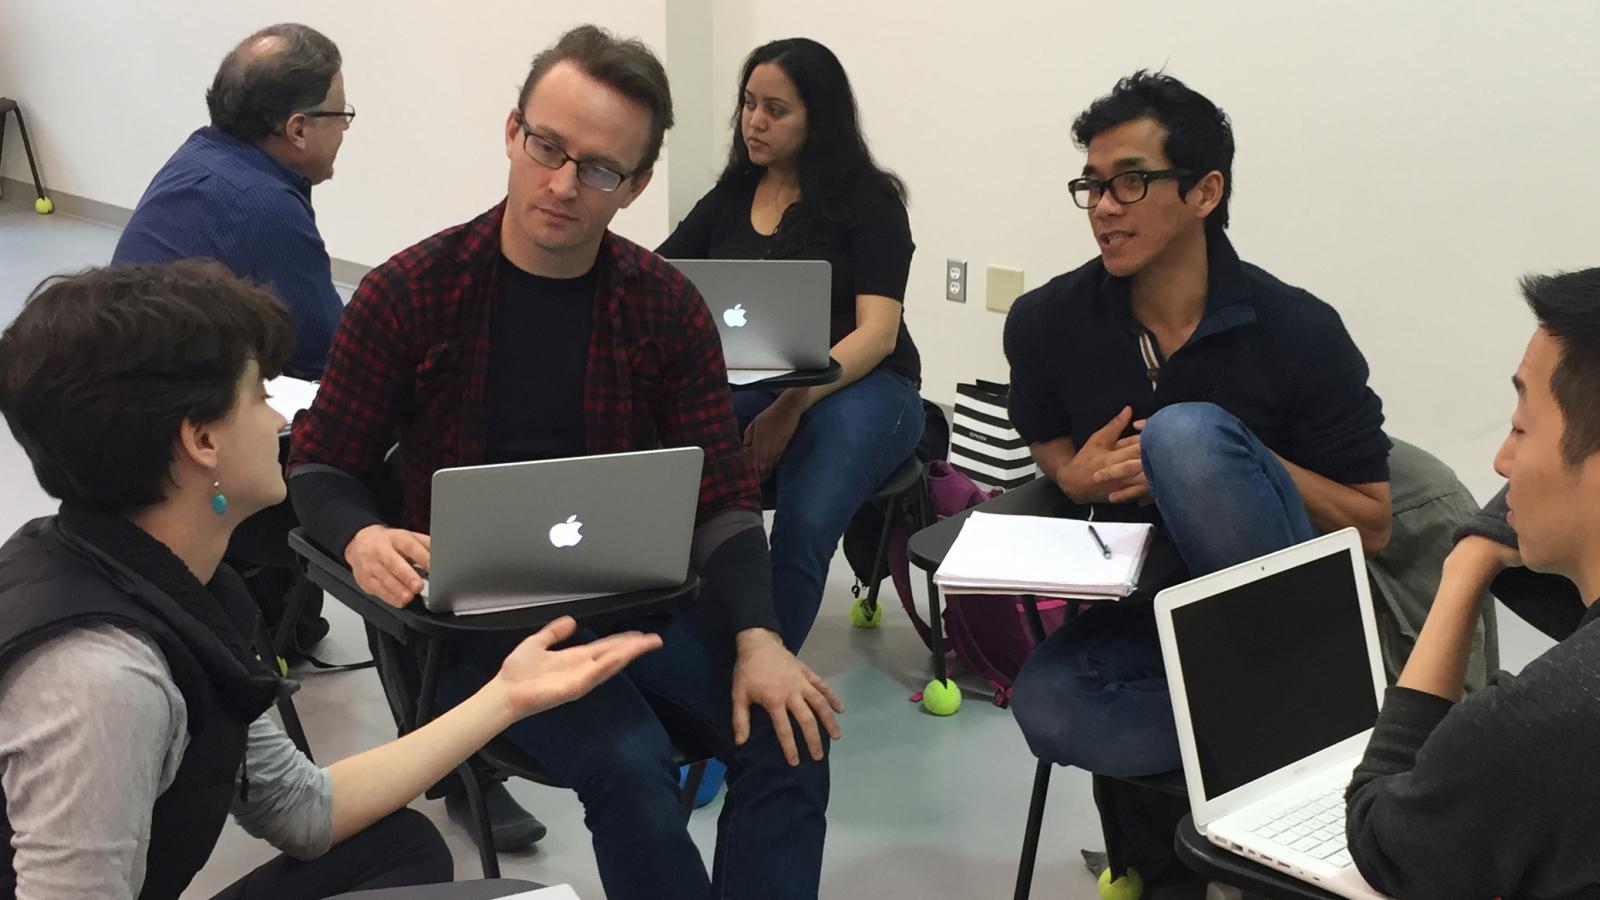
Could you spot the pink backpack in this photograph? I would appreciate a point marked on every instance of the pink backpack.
(990, 634)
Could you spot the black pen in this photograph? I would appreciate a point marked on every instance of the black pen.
(1104, 550)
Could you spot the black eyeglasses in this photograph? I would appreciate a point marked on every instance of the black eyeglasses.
(348, 113)
(1125, 187)
(550, 156)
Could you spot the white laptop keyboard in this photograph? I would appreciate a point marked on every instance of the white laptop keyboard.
(1315, 826)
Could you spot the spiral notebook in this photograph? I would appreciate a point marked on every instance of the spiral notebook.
(1048, 557)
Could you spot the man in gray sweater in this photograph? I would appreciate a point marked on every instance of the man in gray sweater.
(1495, 796)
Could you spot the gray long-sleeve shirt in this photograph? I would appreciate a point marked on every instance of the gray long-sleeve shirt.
(1492, 797)
(95, 730)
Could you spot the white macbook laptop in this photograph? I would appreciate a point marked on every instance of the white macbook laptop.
(512, 535)
(1276, 681)
(772, 314)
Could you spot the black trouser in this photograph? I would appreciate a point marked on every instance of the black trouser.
(400, 849)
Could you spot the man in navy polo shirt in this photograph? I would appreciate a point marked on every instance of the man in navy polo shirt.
(239, 190)
(1169, 382)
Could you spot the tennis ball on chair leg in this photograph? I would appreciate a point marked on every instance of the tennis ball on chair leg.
(44, 206)
(942, 698)
(1129, 887)
(862, 617)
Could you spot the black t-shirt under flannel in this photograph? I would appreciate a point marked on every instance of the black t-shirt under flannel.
(1274, 356)
(539, 331)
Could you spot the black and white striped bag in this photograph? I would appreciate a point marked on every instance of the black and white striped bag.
(983, 444)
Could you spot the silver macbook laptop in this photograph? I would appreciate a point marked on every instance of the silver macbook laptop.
(1276, 680)
(523, 534)
(772, 313)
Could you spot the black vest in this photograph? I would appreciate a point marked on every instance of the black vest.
(52, 580)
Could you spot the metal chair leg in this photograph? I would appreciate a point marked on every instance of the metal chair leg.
(691, 785)
(880, 557)
(300, 591)
(935, 619)
(1035, 621)
(286, 709)
(27, 148)
(1030, 837)
(430, 683)
(1110, 825)
(292, 726)
(488, 858)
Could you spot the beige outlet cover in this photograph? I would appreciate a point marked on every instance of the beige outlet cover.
(1005, 286)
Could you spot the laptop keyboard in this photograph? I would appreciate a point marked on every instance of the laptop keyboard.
(1315, 827)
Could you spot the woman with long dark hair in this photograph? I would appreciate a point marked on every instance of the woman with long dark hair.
(800, 183)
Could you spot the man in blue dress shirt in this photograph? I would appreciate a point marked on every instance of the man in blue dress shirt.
(239, 190)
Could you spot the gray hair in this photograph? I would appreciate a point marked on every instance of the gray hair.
(272, 74)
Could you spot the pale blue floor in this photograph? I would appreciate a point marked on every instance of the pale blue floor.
(922, 807)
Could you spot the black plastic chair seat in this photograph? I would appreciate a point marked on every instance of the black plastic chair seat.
(907, 476)
(422, 635)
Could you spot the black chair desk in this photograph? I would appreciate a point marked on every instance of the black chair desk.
(425, 634)
(797, 378)
(1225, 867)
(927, 549)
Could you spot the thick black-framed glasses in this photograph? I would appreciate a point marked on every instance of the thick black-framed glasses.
(550, 156)
(348, 113)
(1125, 187)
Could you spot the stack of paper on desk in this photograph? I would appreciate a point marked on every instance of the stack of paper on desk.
(999, 554)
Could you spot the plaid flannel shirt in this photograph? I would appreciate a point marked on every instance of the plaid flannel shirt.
(409, 364)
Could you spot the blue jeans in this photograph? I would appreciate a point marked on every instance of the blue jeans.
(612, 749)
(1094, 694)
(844, 448)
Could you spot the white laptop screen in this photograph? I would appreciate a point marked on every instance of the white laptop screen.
(1275, 671)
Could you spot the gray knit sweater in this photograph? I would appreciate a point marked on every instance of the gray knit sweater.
(1495, 796)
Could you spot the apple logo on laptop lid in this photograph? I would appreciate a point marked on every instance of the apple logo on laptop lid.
(735, 317)
(566, 534)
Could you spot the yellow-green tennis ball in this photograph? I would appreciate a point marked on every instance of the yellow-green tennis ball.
(942, 698)
(1129, 887)
(861, 617)
(44, 206)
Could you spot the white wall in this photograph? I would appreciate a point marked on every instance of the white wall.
(1386, 150)
(112, 88)
(694, 141)
(1404, 161)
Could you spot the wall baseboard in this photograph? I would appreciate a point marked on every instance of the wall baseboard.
(345, 272)
(72, 204)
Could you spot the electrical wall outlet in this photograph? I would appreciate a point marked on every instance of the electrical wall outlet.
(1005, 286)
(955, 280)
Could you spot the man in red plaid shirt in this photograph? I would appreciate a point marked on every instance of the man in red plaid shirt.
(533, 332)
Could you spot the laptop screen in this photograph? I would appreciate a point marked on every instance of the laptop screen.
(1275, 670)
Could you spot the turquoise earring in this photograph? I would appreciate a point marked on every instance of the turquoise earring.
(219, 502)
